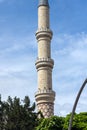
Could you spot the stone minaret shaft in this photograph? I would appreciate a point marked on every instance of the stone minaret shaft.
(45, 96)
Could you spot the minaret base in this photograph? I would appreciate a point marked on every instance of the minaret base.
(45, 102)
(47, 109)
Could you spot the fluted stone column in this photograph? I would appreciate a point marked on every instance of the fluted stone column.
(45, 96)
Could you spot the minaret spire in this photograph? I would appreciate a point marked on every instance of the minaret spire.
(45, 95)
(43, 2)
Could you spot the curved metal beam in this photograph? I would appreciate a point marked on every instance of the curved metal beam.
(75, 104)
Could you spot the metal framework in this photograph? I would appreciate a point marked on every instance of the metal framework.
(75, 104)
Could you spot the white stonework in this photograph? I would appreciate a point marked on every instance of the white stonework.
(43, 13)
(47, 109)
(45, 96)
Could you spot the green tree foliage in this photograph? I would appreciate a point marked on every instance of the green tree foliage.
(79, 121)
(19, 115)
(15, 115)
(2, 120)
(52, 123)
(61, 123)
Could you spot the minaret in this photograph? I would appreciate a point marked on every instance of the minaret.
(45, 96)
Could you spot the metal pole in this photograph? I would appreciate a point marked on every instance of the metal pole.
(75, 104)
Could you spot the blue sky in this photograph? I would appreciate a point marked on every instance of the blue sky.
(18, 50)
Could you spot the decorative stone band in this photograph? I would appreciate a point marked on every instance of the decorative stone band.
(44, 33)
(47, 109)
(45, 91)
(45, 102)
(45, 96)
(44, 62)
(44, 29)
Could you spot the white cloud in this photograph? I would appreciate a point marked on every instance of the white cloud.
(11, 44)
(70, 55)
(17, 69)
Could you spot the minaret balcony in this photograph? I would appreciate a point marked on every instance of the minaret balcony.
(44, 62)
(45, 96)
(44, 33)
